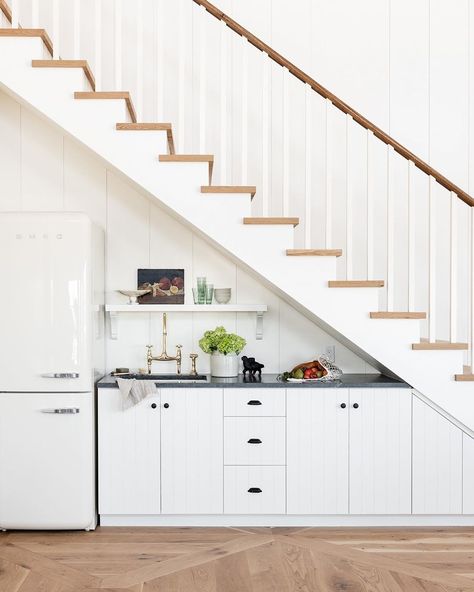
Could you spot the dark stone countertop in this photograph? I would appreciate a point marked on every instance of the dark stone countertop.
(271, 381)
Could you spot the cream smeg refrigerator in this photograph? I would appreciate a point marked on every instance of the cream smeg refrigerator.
(51, 352)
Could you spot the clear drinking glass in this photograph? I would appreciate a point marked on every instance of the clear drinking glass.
(209, 293)
(201, 290)
(195, 296)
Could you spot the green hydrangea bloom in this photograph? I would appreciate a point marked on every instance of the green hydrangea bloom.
(221, 341)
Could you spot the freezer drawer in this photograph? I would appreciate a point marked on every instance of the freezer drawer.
(46, 461)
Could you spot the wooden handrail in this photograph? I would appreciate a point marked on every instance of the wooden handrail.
(341, 105)
(6, 10)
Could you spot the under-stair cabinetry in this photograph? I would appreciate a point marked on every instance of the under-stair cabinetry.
(191, 451)
(129, 455)
(437, 462)
(349, 451)
(258, 454)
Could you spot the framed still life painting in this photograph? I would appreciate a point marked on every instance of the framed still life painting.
(166, 286)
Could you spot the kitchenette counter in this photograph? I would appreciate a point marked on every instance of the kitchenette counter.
(271, 381)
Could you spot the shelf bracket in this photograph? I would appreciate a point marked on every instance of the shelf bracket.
(113, 320)
(259, 327)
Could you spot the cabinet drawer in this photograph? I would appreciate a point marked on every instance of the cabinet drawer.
(254, 490)
(254, 441)
(248, 402)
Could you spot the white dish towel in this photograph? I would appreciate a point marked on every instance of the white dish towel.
(133, 391)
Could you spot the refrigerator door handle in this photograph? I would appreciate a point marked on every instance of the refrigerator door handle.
(62, 410)
(60, 375)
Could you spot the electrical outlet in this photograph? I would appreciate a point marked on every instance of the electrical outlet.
(330, 353)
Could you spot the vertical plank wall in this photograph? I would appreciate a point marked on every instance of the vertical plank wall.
(41, 170)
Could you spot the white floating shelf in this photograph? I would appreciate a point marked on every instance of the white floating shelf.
(115, 309)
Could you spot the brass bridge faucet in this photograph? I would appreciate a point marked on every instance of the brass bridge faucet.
(164, 357)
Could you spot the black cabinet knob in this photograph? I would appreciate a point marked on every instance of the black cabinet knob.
(356, 405)
(254, 441)
(166, 405)
(255, 490)
(153, 405)
(343, 405)
(254, 402)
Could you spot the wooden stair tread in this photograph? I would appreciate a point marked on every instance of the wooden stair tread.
(270, 220)
(397, 315)
(229, 189)
(439, 345)
(67, 64)
(172, 157)
(143, 127)
(186, 158)
(110, 94)
(140, 127)
(464, 377)
(314, 252)
(356, 283)
(29, 33)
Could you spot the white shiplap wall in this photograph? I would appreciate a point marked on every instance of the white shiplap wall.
(41, 170)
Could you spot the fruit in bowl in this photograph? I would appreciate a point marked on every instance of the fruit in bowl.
(306, 371)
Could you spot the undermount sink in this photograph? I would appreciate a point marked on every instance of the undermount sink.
(167, 377)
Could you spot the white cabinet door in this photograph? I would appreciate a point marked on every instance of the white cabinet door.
(192, 451)
(468, 474)
(254, 441)
(129, 455)
(380, 451)
(437, 462)
(46, 460)
(317, 461)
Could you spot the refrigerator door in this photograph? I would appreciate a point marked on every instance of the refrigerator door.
(45, 302)
(47, 461)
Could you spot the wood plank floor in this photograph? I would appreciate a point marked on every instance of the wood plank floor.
(239, 560)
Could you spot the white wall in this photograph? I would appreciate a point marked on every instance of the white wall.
(43, 170)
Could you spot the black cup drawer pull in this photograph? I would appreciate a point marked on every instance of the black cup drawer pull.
(254, 402)
(254, 441)
(255, 490)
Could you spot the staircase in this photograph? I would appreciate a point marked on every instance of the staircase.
(404, 342)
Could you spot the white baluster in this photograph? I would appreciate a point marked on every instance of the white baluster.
(245, 108)
(432, 261)
(265, 130)
(14, 8)
(390, 231)
(472, 290)
(286, 144)
(77, 30)
(181, 77)
(139, 73)
(328, 238)
(411, 239)
(118, 44)
(56, 31)
(370, 205)
(34, 14)
(202, 80)
(160, 64)
(453, 267)
(98, 44)
(349, 199)
(223, 105)
(308, 164)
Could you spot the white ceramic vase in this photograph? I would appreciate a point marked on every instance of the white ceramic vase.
(224, 366)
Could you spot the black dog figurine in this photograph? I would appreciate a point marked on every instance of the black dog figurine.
(252, 367)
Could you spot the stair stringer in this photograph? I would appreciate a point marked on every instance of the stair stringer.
(303, 282)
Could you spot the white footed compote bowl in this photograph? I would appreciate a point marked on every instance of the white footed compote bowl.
(133, 294)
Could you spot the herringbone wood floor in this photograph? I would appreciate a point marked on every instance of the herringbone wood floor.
(238, 560)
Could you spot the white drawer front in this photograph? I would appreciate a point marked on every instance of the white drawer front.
(254, 490)
(254, 441)
(248, 402)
